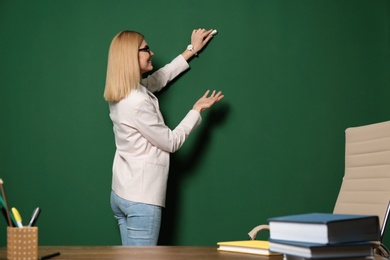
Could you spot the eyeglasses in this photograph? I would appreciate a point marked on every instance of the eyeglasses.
(145, 49)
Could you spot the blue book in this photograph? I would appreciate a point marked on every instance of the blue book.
(321, 251)
(325, 228)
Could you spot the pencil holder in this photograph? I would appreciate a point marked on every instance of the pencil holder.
(22, 243)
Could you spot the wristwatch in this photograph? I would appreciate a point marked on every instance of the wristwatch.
(191, 48)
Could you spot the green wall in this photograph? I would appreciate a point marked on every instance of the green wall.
(295, 74)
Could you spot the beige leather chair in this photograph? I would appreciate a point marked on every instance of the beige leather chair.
(365, 189)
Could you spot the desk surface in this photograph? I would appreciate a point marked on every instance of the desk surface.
(142, 253)
(139, 253)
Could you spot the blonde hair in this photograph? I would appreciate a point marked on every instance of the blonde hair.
(123, 72)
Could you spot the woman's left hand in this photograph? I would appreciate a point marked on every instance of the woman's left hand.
(206, 101)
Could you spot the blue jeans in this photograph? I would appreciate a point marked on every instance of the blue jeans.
(139, 223)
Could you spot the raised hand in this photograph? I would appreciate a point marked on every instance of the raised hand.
(206, 101)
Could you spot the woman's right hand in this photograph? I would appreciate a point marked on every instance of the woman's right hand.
(206, 102)
(200, 37)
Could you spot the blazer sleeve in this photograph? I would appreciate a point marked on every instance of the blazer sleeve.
(160, 78)
(153, 128)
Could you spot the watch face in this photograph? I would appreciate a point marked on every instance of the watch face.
(190, 47)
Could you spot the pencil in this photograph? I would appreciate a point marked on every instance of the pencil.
(5, 202)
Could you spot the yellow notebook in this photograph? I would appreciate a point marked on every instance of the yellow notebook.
(259, 247)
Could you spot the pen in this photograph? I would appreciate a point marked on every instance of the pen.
(34, 217)
(17, 216)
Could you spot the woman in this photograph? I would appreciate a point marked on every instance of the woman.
(143, 141)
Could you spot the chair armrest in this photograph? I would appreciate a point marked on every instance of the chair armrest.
(253, 233)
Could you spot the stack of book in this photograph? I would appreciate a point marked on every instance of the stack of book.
(324, 235)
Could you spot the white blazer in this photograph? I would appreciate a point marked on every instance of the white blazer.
(144, 142)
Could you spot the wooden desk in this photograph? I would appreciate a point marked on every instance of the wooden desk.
(139, 253)
(142, 253)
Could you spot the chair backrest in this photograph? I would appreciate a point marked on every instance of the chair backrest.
(365, 188)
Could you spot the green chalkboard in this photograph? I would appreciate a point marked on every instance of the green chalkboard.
(295, 73)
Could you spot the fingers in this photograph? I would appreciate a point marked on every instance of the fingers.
(206, 94)
(198, 32)
(203, 33)
(214, 95)
(218, 96)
